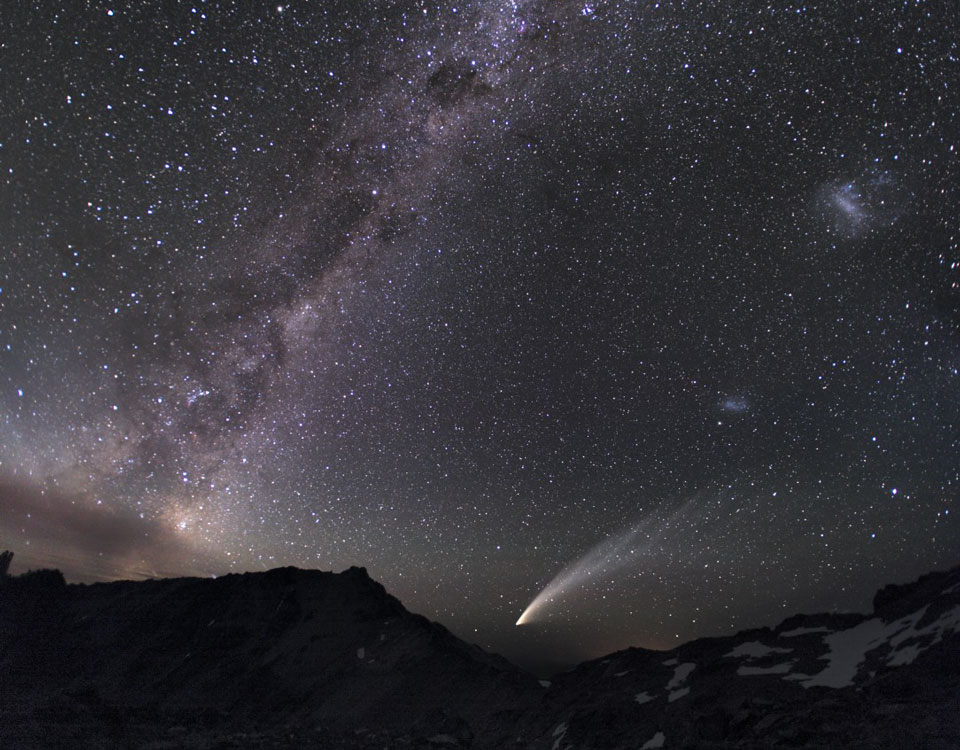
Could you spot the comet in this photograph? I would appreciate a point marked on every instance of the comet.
(614, 553)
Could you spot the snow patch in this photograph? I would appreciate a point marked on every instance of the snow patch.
(558, 734)
(906, 655)
(804, 631)
(442, 739)
(654, 742)
(756, 650)
(644, 697)
(775, 669)
(680, 674)
(545, 683)
(948, 621)
(621, 674)
(848, 649)
(361, 652)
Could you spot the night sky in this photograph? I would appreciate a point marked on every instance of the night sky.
(466, 293)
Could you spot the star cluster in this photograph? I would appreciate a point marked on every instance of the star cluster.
(458, 291)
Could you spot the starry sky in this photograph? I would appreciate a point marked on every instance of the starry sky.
(466, 293)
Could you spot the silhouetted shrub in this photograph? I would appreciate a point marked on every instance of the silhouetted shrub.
(35, 582)
(44, 578)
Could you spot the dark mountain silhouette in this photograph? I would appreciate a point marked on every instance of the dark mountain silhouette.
(307, 659)
(886, 680)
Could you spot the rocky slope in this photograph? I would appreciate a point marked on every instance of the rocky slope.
(284, 648)
(889, 679)
(293, 658)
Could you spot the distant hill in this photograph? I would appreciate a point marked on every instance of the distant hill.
(307, 659)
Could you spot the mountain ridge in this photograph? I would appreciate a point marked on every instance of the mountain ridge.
(333, 660)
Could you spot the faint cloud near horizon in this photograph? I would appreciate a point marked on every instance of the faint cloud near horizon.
(47, 528)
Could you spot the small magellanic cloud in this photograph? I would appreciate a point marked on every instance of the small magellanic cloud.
(735, 404)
